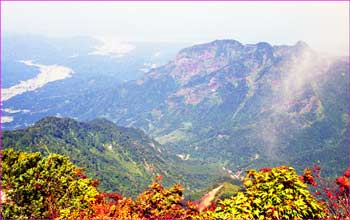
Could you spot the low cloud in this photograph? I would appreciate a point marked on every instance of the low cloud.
(112, 47)
(293, 88)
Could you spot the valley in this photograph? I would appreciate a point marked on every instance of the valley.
(219, 107)
(193, 110)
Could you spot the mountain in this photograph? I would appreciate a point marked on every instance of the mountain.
(123, 159)
(88, 56)
(244, 105)
(41, 76)
(229, 104)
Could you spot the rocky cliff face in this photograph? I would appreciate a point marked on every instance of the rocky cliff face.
(249, 105)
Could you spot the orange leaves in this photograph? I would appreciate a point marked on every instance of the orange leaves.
(159, 178)
(159, 201)
(156, 202)
(79, 173)
(111, 206)
(95, 183)
(308, 177)
(344, 183)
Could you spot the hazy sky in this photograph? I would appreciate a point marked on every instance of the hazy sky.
(323, 25)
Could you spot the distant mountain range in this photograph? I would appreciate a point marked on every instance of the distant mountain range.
(68, 71)
(225, 103)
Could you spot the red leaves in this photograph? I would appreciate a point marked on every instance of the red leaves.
(344, 183)
(342, 188)
(159, 178)
(78, 173)
(211, 207)
(308, 177)
(316, 168)
(340, 180)
(38, 187)
(265, 169)
(95, 183)
(110, 206)
(157, 202)
(334, 194)
(301, 178)
(160, 201)
(330, 195)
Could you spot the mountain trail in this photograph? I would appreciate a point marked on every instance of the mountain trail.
(206, 200)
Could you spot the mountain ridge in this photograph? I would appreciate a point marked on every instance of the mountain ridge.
(123, 159)
(246, 106)
(125, 154)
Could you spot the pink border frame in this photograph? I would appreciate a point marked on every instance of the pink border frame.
(348, 82)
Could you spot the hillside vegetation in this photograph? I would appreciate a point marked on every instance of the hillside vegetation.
(54, 188)
(123, 159)
(236, 105)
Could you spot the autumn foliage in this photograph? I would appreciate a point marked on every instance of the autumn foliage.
(156, 202)
(39, 187)
(275, 193)
(334, 194)
(36, 187)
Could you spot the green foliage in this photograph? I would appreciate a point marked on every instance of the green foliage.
(123, 159)
(270, 194)
(36, 187)
(43, 187)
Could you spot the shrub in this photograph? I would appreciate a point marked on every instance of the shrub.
(275, 193)
(37, 187)
(334, 194)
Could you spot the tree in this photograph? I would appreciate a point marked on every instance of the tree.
(158, 201)
(49, 187)
(275, 193)
(334, 194)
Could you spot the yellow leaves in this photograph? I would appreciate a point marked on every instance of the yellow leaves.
(240, 198)
(22, 156)
(257, 201)
(44, 186)
(270, 195)
(275, 193)
(280, 186)
(248, 183)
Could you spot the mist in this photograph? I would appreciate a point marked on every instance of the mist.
(323, 25)
(295, 94)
